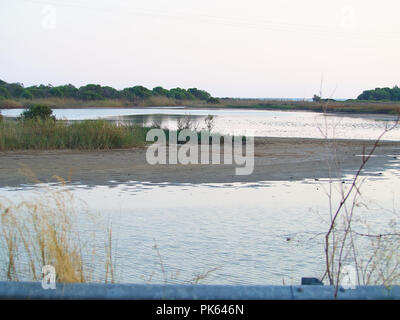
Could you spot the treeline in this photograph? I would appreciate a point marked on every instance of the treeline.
(381, 94)
(98, 92)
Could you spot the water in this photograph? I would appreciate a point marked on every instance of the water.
(238, 230)
(261, 123)
(241, 229)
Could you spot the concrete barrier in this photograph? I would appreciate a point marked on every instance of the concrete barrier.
(34, 290)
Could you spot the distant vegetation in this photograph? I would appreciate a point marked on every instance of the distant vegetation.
(381, 94)
(15, 95)
(95, 92)
(319, 99)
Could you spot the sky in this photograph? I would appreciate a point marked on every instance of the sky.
(252, 48)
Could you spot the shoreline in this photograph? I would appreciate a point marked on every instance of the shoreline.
(349, 112)
(359, 113)
(276, 159)
(334, 107)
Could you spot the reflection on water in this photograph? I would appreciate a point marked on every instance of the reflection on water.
(241, 228)
(261, 122)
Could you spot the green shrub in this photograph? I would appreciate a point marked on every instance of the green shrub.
(38, 111)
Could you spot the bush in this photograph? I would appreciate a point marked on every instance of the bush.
(38, 111)
(26, 94)
(4, 93)
(213, 100)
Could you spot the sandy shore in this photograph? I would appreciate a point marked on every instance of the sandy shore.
(275, 159)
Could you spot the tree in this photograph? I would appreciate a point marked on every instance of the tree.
(56, 92)
(90, 92)
(180, 94)
(110, 93)
(136, 92)
(4, 93)
(98, 92)
(316, 98)
(199, 94)
(37, 92)
(68, 91)
(379, 94)
(366, 95)
(160, 91)
(395, 93)
(26, 94)
(382, 94)
(15, 89)
(213, 100)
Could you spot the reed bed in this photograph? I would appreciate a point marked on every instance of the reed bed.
(85, 135)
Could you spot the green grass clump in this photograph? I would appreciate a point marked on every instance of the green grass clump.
(86, 135)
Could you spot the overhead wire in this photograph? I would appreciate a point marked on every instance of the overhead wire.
(259, 24)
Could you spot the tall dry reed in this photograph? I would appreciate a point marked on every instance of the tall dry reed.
(46, 230)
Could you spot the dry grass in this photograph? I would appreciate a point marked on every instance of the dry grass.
(44, 231)
(161, 101)
(66, 103)
(74, 103)
(10, 104)
(338, 106)
(376, 262)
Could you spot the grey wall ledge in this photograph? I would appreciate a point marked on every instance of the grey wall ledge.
(89, 291)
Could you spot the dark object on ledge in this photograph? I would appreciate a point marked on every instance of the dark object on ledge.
(311, 282)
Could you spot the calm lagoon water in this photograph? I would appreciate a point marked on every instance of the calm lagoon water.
(261, 123)
(239, 228)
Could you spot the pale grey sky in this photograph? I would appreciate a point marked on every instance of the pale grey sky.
(252, 48)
